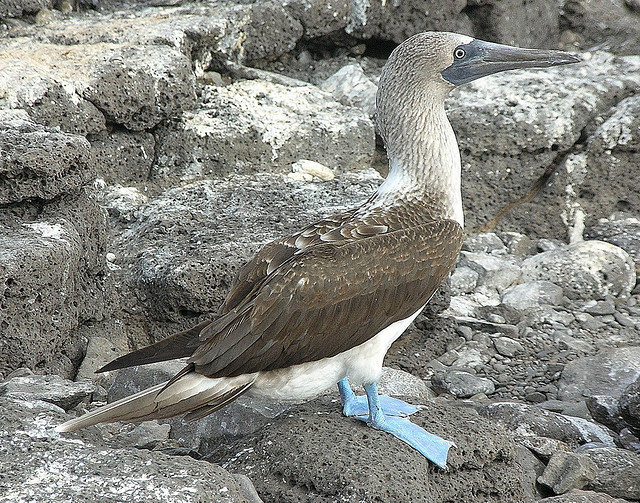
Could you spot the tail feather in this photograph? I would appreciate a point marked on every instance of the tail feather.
(192, 392)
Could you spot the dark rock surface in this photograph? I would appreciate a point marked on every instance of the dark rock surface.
(76, 469)
(286, 465)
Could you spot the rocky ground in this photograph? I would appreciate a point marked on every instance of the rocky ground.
(148, 150)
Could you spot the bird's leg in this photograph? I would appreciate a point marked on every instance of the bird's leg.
(354, 405)
(432, 447)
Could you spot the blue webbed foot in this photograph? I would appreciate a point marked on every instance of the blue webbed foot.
(386, 414)
(354, 405)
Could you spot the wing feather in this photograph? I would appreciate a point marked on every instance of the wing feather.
(318, 304)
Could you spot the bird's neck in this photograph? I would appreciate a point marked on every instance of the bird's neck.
(424, 161)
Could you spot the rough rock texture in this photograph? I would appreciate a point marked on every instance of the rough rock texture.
(175, 237)
(585, 270)
(36, 161)
(51, 282)
(286, 465)
(250, 125)
(612, 25)
(65, 468)
(609, 372)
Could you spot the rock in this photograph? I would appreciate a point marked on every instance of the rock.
(350, 86)
(579, 496)
(53, 281)
(39, 162)
(585, 270)
(618, 472)
(463, 280)
(628, 440)
(606, 410)
(320, 18)
(48, 99)
(486, 242)
(566, 471)
(529, 420)
(41, 464)
(18, 8)
(620, 229)
(610, 25)
(497, 20)
(507, 346)
(532, 294)
(607, 373)
(462, 384)
(495, 272)
(252, 124)
(123, 157)
(398, 21)
(544, 447)
(49, 388)
(134, 86)
(630, 404)
(599, 180)
(601, 307)
(287, 465)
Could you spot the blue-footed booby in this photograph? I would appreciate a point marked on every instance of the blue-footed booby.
(322, 306)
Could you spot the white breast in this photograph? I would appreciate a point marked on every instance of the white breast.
(362, 364)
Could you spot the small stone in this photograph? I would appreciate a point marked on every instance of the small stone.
(624, 320)
(601, 307)
(315, 169)
(543, 447)
(507, 346)
(532, 294)
(48, 388)
(628, 440)
(462, 384)
(463, 280)
(566, 471)
(484, 243)
(535, 397)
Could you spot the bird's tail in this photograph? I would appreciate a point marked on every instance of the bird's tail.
(192, 393)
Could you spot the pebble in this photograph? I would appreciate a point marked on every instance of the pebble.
(462, 384)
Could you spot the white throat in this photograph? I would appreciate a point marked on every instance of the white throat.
(424, 161)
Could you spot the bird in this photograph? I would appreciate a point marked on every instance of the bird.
(322, 306)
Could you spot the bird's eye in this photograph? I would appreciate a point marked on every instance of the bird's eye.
(459, 53)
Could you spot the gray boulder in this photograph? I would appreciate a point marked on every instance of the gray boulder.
(48, 388)
(568, 470)
(531, 294)
(607, 373)
(620, 229)
(618, 472)
(36, 161)
(42, 465)
(343, 459)
(529, 420)
(612, 25)
(585, 270)
(52, 281)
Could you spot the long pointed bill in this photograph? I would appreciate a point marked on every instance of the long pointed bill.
(480, 59)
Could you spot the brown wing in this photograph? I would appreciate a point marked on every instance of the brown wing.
(274, 254)
(327, 299)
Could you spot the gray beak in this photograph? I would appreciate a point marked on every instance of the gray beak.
(479, 59)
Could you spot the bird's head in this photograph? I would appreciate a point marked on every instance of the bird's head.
(422, 70)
